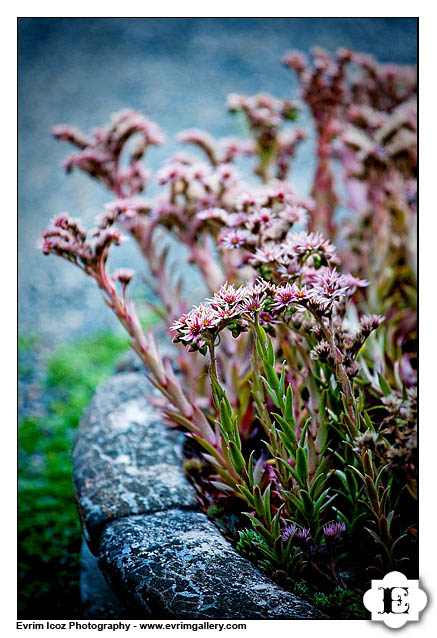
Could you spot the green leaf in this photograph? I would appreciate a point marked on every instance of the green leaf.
(271, 375)
(225, 416)
(308, 503)
(258, 471)
(367, 421)
(383, 384)
(276, 530)
(250, 469)
(282, 380)
(318, 504)
(317, 483)
(328, 502)
(302, 463)
(289, 413)
(222, 487)
(297, 503)
(236, 457)
(312, 456)
(357, 472)
(373, 534)
(342, 476)
(270, 353)
(304, 431)
(258, 502)
(288, 431)
(292, 471)
(372, 492)
(259, 527)
(271, 392)
(247, 494)
(322, 437)
(266, 501)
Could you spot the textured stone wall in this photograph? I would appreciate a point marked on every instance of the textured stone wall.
(161, 555)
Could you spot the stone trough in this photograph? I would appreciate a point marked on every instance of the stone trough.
(160, 554)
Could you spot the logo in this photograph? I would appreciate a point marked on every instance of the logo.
(395, 600)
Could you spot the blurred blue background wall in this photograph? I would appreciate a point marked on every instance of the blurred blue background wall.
(178, 72)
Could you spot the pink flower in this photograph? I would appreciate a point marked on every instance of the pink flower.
(294, 214)
(219, 214)
(233, 146)
(198, 172)
(268, 254)
(123, 275)
(172, 172)
(193, 326)
(195, 136)
(235, 102)
(287, 294)
(234, 238)
(226, 175)
(295, 60)
(329, 283)
(307, 245)
(263, 216)
(254, 299)
(229, 295)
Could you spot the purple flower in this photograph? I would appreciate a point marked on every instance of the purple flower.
(334, 530)
(288, 532)
(302, 535)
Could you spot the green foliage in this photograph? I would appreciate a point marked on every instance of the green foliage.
(341, 603)
(48, 527)
(26, 344)
(338, 603)
(319, 494)
(249, 543)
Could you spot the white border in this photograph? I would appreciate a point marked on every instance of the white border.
(428, 270)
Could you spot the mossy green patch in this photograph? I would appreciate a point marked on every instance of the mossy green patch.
(48, 526)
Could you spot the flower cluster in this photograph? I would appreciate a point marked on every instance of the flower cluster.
(309, 421)
(100, 153)
(270, 304)
(67, 239)
(265, 116)
(322, 84)
(217, 151)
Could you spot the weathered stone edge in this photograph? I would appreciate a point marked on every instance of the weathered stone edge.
(177, 564)
(125, 460)
(126, 542)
